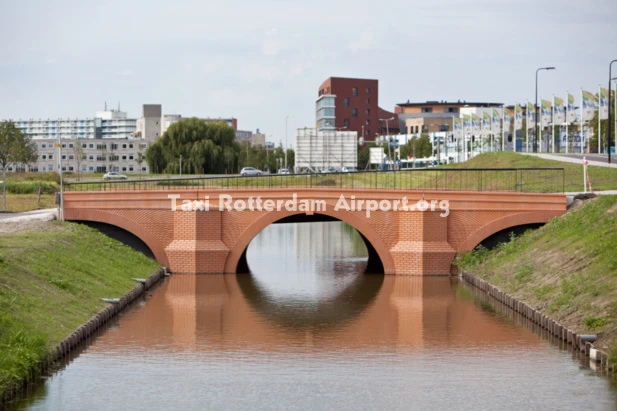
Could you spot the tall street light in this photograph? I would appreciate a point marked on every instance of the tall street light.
(387, 132)
(535, 140)
(610, 80)
(285, 148)
(340, 129)
(386, 120)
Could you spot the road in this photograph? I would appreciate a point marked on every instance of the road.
(40, 215)
(599, 160)
(603, 158)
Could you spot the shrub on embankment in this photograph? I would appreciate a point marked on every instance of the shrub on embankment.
(566, 269)
(52, 277)
(29, 183)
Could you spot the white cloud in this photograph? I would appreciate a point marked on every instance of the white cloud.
(364, 42)
(127, 73)
(272, 45)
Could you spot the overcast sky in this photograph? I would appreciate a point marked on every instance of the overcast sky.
(260, 61)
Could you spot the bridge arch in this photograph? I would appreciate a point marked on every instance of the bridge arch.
(369, 235)
(138, 230)
(500, 224)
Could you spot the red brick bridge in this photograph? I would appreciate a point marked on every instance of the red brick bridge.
(400, 242)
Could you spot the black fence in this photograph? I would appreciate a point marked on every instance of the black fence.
(524, 180)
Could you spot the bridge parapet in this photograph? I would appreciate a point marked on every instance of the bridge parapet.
(524, 180)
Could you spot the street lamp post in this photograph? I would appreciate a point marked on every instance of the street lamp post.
(610, 80)
(180, 165)
(59, 145)
(387, 133)
(285, 150)
(341, 158)
(535, 141)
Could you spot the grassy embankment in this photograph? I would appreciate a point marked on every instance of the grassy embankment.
(566, 269)
(602, 178)
(22, 191)
(51, 282)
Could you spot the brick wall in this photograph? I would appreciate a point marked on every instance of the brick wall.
(407, 242)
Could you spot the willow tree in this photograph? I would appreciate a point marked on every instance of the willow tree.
(198, 145)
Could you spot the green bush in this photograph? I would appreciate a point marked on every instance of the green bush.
(595, 322)
(45, 176)
(472, 258)
(32, 187)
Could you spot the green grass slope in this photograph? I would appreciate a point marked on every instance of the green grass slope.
(566, 269)
(51, 282)
(602, 178)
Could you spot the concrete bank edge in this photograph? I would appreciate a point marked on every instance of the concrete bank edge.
(554, 328)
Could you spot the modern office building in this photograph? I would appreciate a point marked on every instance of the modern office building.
(436, 116)
(243, 136)
(258, 139)
(97, 155)
(110, 141)
(105, 124)
(352, 104)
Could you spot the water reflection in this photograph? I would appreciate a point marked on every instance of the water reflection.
(320, 285)
(308, 329)
(214, 312)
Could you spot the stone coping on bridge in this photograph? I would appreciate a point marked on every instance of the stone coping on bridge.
(458, 200)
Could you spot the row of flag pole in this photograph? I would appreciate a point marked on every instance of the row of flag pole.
(555, 112)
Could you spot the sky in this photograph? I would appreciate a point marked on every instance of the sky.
(263, 61)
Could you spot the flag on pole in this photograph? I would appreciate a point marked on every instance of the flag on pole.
(560, 113)
(589, 105)
(518, 117)
(496, 122)
(571, 112)
(486, 122)
(545, 115)
(506, 119)
(467, 121)
(475, 124)
(531, 116)
(603, 104)
(458, 127)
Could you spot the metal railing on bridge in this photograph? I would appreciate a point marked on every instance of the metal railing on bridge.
(524, 180)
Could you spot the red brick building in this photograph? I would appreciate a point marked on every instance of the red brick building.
(352, 104)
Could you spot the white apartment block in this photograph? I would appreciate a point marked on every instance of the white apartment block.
(97, 156)
(110, 141)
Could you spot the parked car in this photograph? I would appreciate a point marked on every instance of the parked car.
(112, 175)
(283, 171)
(250, 171)
(348, 170)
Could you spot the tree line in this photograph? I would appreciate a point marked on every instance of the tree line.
(15, 147)
(201, 147)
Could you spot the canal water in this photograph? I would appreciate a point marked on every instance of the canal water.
(308, 329)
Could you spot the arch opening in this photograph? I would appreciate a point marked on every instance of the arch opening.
(374, 264)
(121, 235)
(505, 235)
